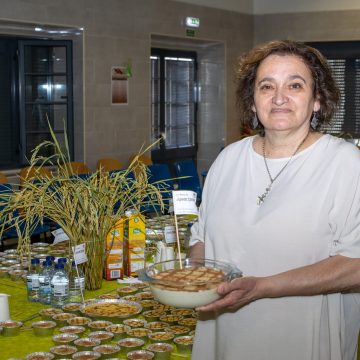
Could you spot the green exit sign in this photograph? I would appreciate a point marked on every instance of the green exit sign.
(190, 32)
(192, 22)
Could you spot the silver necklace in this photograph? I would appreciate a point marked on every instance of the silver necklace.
(261, 198)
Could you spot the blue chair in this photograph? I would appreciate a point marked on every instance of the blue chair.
(160, 176)
(10, 232)
(191, 181)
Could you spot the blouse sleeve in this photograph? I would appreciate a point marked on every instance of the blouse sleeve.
(198, 228)
(345, 213)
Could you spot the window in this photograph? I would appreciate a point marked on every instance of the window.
(344, 59)
(173, 104)
(37, 87)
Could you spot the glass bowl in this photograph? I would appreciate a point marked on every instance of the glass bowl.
(189, 283)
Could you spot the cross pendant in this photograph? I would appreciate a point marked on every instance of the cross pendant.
(261, 198)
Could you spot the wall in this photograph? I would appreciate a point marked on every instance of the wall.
(117, 32)
(286, 6)
(308, 26)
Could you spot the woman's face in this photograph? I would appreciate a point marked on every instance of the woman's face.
(283, 95)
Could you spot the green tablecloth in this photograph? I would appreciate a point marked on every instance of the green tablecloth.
(20, 309)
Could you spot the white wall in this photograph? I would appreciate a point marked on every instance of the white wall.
(241, 6)
(277, 6)
(293, 6)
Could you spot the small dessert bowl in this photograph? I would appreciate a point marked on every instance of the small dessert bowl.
(130, 344)
(103, 336)
(161, 336)
(119, 330)
(40, 356)
(64, 338)
(184, 344)
(99, 324)
(86, 343)
(72, 329)
(47, 314)
(161, 350)
(43, 327)
(72, 308)
(170, 319)
(127, 290)
(183, 312)
(79, 321)
(107, 351)
(10, 327)
(63, 350)
(189, 322)
(135, 323)
(130, 298)
(152, 315)
(62, 318)
(145, 295)
(148, 304)
(86, 355)
(140, 333)
(189, 283)
(157, 325)
(140, 355)
(178, 330)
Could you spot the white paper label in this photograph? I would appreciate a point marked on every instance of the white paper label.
(59, 235)
(170, 234)
(184, 202)
(79, 254)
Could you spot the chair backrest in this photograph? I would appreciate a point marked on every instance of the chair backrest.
(191, 181)
(160, 174)
(108, 164)
(3, 178)
(76, 168)
(34, 172)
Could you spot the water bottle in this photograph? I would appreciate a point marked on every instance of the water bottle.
(45, 279)
(32, 281)
(76, 284)
(59, 286)
(67, 267)
(51, 259)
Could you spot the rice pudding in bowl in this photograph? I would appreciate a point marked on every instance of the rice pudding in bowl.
(189, 283)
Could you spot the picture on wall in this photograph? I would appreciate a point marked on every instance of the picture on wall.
(119, 86)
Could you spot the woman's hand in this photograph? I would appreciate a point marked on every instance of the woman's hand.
(334, 274)
(234, 295)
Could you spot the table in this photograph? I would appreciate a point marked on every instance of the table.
(20, 309)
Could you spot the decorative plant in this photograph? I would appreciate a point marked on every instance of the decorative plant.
(86, 208)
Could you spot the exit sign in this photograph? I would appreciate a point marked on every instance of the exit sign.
(192, 22)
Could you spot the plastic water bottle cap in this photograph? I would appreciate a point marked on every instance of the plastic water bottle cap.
(35, 261)
(59, 265)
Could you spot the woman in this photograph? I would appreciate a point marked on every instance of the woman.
(284, 206)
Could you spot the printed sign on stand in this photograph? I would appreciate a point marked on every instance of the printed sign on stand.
(184, 202)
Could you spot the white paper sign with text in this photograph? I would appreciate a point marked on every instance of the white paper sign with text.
(170, 234)
(79, 254)
(184, 202)
(59, 235)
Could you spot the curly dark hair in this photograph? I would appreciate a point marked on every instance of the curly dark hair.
(325, 88)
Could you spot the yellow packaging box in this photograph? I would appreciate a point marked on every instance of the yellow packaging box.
(134, 244)
(114, 247)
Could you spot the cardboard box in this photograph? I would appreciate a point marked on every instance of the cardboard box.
(114, 247)
(134, 244)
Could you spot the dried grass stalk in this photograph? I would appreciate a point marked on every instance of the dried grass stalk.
(85, 208)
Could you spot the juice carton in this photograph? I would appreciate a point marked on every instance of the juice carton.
(114, 247)
(134, 243)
